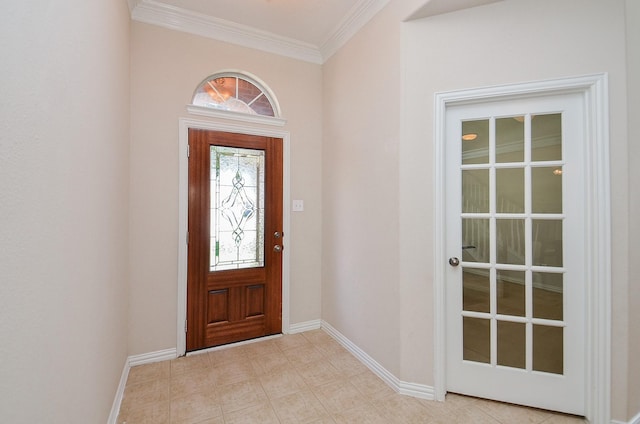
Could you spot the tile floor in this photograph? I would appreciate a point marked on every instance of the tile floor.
(300, 378)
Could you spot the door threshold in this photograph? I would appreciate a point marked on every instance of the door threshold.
(235, 344)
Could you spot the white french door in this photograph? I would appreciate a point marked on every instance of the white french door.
(515, 241)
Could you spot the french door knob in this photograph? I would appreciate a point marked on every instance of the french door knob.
(453, 261)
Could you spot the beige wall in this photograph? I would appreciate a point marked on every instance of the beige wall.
(517, 41)
(64, 149)
(166, 67)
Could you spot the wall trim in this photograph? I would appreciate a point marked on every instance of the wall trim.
(301, 327)
(598, 250)
(634, 420)
(421, 391)
(132, 361)
(183, 203)
(167, 16)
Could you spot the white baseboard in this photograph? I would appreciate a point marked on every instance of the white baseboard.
(132, 361)
(634, 420)
(421, 391)
(304, 326)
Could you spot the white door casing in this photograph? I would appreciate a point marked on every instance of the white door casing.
(585, 220)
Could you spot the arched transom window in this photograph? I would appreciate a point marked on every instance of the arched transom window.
(235, 92)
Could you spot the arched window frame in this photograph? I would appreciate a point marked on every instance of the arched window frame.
(275, 120)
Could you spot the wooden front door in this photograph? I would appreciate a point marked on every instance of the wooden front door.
(234, 268)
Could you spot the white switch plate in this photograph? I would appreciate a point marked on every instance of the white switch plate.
(298, 206)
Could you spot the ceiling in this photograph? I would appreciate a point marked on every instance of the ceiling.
(310, 30)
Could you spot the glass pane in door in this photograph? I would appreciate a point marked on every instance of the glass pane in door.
(237, 208)
(512, 243)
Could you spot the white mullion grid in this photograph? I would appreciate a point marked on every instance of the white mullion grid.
(528, 260)
(493, 308)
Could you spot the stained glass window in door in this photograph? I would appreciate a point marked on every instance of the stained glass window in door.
(237, 208)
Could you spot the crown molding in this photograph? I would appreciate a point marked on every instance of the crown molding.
(157, 13)
(357, 17)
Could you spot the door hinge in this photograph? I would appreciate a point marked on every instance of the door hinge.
(187, 237)
(185, 325)
(188, 150)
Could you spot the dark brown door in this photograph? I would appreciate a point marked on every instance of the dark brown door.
(234, 280)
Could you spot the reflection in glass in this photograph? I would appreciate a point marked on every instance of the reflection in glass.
(475, 240)
(547, 295)
(510, 292)
(547, 242)
(475, 190)
(546, 189)
(510, 241)
(510, 139)
(475, 149)
(475, 290)
(548, 349)
(511, 344)
(510, 190)
(546, 137)
(476, 336)
(237, 208)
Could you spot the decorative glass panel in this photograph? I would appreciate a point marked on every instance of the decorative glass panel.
(475, 240)
(237, 208)
(235, 93)
(510, 240)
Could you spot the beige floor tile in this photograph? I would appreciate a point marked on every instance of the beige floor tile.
(371, 385)
(234, 397)
(290, 341)
(149, 372)
(339, 396)
(269, 363)
(465, 415)
(261, 348)
(282, 383)
(299, 408)
(192, 383)
(403, 409)
(155, 413)
(303, 355)
(142, 394)
(512, 413)
(226, 355)
(188, 364)
(261, 413)
(565, 419)
(347, 364)
(318, 373)
(233, 372)
(195, 408)
(362, 414)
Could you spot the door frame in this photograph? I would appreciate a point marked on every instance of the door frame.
(183, 207)
(594, 90)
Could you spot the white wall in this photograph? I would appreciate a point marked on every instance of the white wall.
(633, 98)
(166, 68)
(506, 42)
(64, 140)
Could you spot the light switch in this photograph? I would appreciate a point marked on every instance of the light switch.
(298, 206)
